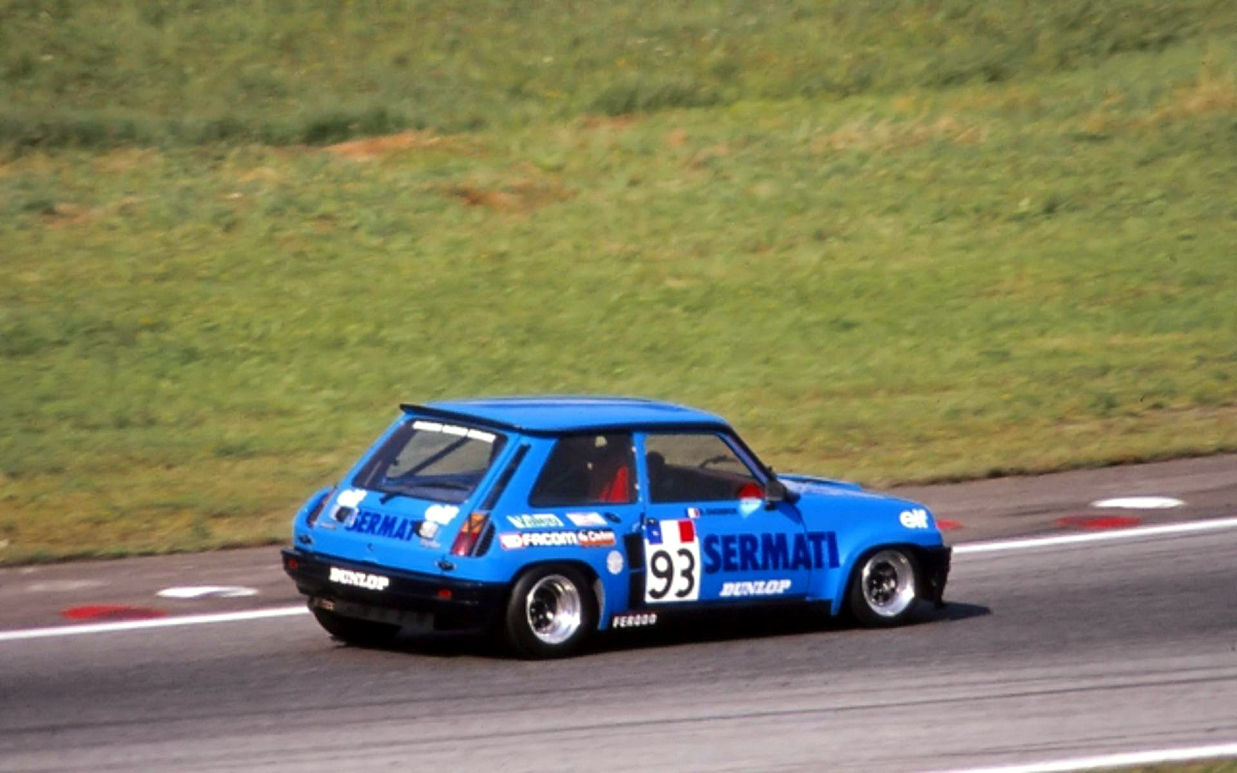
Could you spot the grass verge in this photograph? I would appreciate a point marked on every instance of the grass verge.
(924, 280)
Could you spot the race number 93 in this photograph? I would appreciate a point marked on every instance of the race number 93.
(671, 562)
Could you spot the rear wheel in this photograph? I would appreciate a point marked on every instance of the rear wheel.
(365, 633)
(550, 613)
(884, 588)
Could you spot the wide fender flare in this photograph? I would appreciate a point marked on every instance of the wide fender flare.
(594, 572)
(860, 550)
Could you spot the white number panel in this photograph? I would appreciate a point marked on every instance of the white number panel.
(671, 562)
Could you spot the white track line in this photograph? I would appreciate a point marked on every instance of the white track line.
(162, 622)
(260, 614)
(1074, 539)
(1125, 760)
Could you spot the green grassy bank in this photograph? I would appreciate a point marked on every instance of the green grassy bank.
(920, 275)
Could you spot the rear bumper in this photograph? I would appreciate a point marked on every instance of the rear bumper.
(934, 568)
(388, 595)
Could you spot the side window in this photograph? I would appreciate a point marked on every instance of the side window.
(696, 467)
(587, 470)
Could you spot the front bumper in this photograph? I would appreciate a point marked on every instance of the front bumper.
(408, 598)
(934, 568)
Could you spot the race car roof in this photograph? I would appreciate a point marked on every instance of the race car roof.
(555, 414)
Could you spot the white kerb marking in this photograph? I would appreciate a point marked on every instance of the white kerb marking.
(207, 591)
(1074, 539)
(1139, 503)
(162, 622)
(1123, 760)
(60, 586)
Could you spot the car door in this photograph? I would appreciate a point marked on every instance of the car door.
(707, 537)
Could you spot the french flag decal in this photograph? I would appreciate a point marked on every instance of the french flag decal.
(652, 532)
(687, 531)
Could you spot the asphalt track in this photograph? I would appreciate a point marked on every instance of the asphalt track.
(1045, 653)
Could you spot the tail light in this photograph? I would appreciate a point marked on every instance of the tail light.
(470, 532)
(316, 511)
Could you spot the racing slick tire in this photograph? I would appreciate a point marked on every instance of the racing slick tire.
(884, 588)
(550, 613)
(363, 633)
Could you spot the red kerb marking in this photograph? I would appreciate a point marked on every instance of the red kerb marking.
(944, 524)
(111, 612)
(1098, 522)
(687, 531)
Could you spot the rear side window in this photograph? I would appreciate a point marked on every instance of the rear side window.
(431, 460)
(587, 470)
(696, 467)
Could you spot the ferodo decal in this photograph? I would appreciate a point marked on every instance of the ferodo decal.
(770, 552)
(584, 538)
(638, 620)
(359, 579)
(671, 561)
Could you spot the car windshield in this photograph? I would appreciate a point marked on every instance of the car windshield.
(431, 460)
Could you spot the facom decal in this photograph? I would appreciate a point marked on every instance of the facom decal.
(770, 552)
(586, 538)
(671, 561)
(914, 519)
(359, 579)
(614, 562)
(441, 514)
(587, 519)
(634, 621)
(535, 521)
(742, 588)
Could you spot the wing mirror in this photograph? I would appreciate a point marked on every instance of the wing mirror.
(776, 491)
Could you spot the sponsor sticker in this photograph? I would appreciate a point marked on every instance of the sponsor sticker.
(587, 519)
(451, 429)
(671, 561)
(350, 497)
(535, 521)
(914, 519)
(614, 562)
(585, 538)
(693, 512)
(596, 538)
(359, 579)
(379, 525)
(742, 588)
(441, 514)
(770, 552)
(634, 620)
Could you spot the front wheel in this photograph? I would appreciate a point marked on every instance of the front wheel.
(550, 613)
(363, 633)
(884, 588)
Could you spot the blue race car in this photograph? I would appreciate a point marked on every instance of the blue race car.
(547, 519)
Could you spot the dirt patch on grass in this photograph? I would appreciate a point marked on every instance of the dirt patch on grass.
(520, 196)
(372, 148)
(898, 135)
(69, 214)
(613, 122)
(1209, 94)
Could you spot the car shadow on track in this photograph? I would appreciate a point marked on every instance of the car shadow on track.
(716, 626)
(761, 624)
